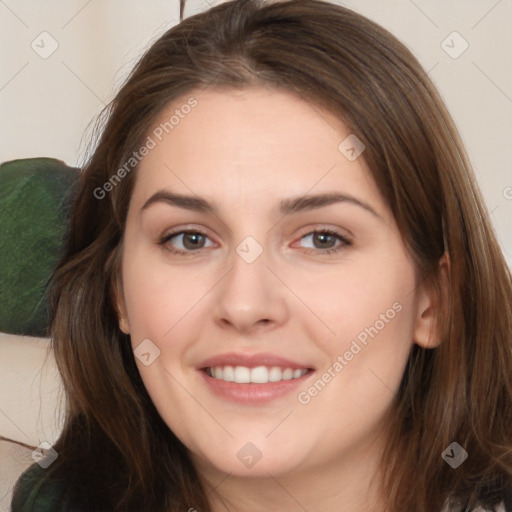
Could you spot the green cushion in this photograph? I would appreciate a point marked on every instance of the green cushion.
(35, 198)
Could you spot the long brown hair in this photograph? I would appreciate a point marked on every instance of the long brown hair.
(115, 451)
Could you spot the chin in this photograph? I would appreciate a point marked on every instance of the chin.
(248, 460)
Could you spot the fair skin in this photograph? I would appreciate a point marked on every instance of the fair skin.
(245, 151)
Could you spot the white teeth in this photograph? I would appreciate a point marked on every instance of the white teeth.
(257, 375)
(242, 375)
(275, 374)
(288, 374)
(228, 374)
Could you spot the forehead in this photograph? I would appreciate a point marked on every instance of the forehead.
(258, 119)
(248, 143)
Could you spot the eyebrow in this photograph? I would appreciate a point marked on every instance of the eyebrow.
(287, 206)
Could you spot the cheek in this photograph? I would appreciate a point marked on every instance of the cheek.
(368, 314)
(365, 359)
(358, 299)
(158, 297)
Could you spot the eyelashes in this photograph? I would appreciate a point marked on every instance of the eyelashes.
(197, 235)
(344, 241)
(167, 238)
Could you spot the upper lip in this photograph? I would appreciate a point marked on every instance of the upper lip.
(251, 361)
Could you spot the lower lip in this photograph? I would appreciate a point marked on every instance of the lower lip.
(253, 393)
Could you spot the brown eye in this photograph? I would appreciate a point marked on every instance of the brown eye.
(325, 241)
(187, 241)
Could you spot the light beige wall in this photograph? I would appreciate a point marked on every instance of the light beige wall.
(31, 394)
(31, 405)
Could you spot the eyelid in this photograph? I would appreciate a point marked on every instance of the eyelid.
(320, 228)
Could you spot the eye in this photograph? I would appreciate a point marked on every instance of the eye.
(326, 239)
(190, 241)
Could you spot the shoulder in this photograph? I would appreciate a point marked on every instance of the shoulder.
(36, 491)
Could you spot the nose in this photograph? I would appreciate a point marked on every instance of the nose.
(250, 297)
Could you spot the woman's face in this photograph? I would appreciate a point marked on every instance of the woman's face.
(320, 324)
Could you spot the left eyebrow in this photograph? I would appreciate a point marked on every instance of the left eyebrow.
(286, 206)
(302, 203)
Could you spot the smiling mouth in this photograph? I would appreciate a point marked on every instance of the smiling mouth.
(256, 375)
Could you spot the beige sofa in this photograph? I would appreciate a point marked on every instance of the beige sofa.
(31, 405)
